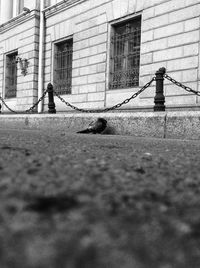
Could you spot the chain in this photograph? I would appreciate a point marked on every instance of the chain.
(179, 84)
(39, 100)
(79, 109)
(28, 110)
(109, 108)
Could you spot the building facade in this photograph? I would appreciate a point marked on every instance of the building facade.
(98, 53)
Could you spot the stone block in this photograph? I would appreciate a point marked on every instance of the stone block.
(97, 96)
(146, 36)
(150, 69)
(169, 30)
(80, 63)
(77, 45)
(191, 50)
(155, 22)
(191, 2)
(80, 80)
(183, 101)
(192, 24)
(154, 45)
(88, 88)
(169, 6)
(168, 54)
(99, 39)
(101, 67)
(184, 14)
(148, 13)
(97, 58)
(95, 78)
(76, 72)
(183, 63)
(75, 90)
(184, 38)
(90, 69)
(146, 58)
(183, 125)
(101, 87)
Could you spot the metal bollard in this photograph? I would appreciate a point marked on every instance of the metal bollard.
(0, 108)
(159, 99)
(51, 104)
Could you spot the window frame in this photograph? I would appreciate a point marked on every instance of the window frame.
(112, 26)
(56, 44)
(7, 75)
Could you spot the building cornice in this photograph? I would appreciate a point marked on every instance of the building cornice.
(62, 5)
(23, 17)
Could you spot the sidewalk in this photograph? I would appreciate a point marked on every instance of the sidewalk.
(98, 201)
(173, 125)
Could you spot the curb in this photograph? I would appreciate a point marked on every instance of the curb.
(172, 125)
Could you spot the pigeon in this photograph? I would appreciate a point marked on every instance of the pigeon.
(94, 127)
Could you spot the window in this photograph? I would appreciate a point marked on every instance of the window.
(125, 54)
(63, 67)
(11, 76)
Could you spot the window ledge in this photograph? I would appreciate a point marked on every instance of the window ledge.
(52, 10)
(17, 20)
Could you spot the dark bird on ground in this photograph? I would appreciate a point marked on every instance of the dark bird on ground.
(94, 127)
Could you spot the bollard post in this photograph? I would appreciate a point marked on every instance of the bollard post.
(159, 99)
(51, 104)
(0, 108)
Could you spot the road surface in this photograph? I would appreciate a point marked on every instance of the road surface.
(95, 201)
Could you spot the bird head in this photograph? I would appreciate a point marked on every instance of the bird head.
(102, 120)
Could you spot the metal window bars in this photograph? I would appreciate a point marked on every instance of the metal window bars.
(125, 59)
(63, 68)
(11, 76)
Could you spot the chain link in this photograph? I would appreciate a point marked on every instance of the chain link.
(179, 84)
(109, 108)
(28, 110)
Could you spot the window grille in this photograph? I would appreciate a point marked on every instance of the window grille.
(11, 76)
(63, 67)
(125, 54)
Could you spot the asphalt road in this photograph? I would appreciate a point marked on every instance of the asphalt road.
(95, 201)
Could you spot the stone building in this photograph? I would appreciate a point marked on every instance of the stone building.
(98, 53)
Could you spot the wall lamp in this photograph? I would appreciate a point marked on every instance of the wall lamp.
(23, 63)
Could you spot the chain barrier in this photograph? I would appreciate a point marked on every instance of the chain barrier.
(31, 109)
(179, 84)
(109, 108)
(28, 110)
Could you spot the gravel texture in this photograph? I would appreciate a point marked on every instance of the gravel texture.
(98, 201)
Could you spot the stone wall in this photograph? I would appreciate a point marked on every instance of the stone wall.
(170, 38)
(21, 35)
